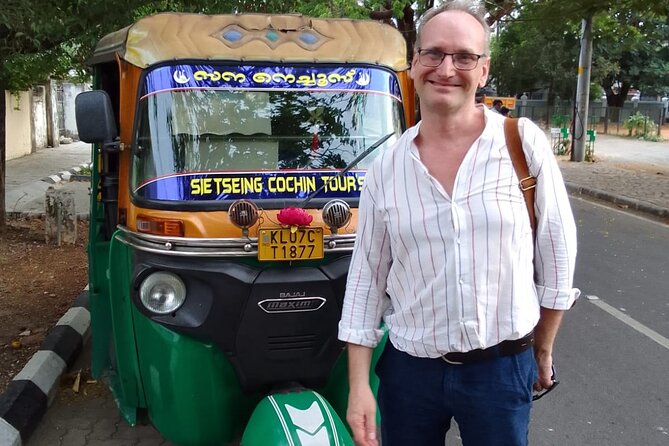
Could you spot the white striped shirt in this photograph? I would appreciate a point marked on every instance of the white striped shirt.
(456, 274)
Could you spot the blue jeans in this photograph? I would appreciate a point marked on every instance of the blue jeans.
(490, 400)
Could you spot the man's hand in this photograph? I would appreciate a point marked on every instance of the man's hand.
(361, 416)
(545, 368)
(544, 337)
(361, 413)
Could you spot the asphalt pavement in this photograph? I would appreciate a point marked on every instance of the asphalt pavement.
(630, 175)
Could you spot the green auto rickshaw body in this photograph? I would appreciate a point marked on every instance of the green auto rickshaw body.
(214, 315)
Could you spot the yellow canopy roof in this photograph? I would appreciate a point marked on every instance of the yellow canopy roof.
(254, 37)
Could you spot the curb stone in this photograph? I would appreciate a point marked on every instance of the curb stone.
(633, 204)
(65, 175)
(33, 389)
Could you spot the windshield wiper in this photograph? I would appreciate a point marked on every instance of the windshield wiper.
(350, 165)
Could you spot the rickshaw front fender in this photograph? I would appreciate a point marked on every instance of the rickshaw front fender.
(299, 417)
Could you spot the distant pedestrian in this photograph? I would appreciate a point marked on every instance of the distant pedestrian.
(497, 105)
(504, 111)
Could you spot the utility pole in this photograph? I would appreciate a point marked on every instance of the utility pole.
(582, 92)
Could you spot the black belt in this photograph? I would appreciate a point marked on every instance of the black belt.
(504, 348)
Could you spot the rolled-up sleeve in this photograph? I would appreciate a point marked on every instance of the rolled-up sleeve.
(365, 300)
(555, 246)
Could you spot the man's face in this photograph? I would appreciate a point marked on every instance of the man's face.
(445, 88)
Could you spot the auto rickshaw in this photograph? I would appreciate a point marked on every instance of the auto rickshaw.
(229, 152)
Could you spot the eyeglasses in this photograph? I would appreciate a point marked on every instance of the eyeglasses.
(461, 61)
(547, 391)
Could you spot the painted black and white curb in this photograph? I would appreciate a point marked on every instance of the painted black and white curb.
(65, 175)
(33, 389)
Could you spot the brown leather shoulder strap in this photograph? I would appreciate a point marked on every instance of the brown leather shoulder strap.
(527, 182)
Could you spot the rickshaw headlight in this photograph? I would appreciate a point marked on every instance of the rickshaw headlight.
(162, 292)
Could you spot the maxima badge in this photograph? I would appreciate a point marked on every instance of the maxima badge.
(291, 305)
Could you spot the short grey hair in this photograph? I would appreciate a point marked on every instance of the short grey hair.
(471, 7)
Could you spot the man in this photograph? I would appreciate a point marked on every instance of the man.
(497, 105)
(445, 256)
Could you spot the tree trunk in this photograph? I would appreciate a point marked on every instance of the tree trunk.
(501, 9)
(617, 100)
(384, 14)
(550, 100)
(60, 217)
(407, 27)
(3, 142)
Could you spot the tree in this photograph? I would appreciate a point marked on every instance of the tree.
(404, 14)
(42, 39)
(631, 53)
(538, 47)
(531, 54)
(637, 36)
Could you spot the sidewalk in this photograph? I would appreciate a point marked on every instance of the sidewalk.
(27, 178)
(631, 174)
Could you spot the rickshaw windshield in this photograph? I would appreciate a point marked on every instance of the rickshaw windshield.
(197, 120)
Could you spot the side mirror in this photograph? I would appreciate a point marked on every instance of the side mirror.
(95, 117)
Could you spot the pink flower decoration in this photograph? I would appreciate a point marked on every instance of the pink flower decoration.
(294, 217)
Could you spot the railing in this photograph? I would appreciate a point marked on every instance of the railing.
(601, 118)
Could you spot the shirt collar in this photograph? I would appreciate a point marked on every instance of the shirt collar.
(489, 118)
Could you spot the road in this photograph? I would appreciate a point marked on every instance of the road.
(612, 354)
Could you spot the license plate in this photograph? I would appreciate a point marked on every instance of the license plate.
(282, 244)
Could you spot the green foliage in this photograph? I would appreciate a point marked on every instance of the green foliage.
(557, 10)
(40, 39)
(596, 91)
(641, 126)
(653, 137)
(561, 121)
(539, 48)
(632, 43)
(85, 171)
(333, 8)
(529, 53)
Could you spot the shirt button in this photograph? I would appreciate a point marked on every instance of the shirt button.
(461, 281)
(458, 241)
